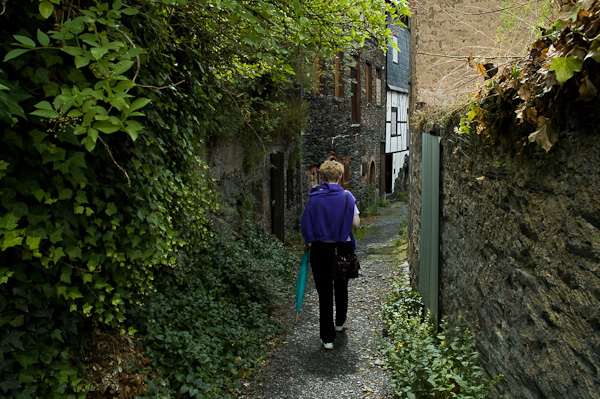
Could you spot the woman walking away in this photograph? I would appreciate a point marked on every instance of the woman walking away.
(328, 219)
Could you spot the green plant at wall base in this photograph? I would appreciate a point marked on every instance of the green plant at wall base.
(426, 364)
(403, 229)
(370, 204)
(402, 196)
(361, 231)
(383, 202)
(207, 324)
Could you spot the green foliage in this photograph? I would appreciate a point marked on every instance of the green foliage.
(372, 202)
(473, 111)
(403, 229)
(383, 202)
(206, 325)
(565, 67)
(402, 196)
(105, 112)
(361, 231)
(83, 228)
(424, 363)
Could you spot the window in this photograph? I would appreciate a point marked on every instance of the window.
(394, 50)
(394, 121)
(369, 82)
(355, 100)
(339, 84)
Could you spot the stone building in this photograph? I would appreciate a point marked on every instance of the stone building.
(347, 120)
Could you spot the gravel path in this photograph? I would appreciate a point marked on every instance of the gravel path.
(301, 368)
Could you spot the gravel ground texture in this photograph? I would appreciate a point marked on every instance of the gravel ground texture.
(301, 368)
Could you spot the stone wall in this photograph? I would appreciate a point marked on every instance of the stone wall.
(245, 192)
(520, 256)
(330, 129)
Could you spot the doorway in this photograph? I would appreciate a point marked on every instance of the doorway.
(277, 196)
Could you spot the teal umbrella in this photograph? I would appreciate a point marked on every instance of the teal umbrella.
(301, 282)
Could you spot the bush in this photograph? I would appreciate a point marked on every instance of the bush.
(424, 363)
(207, 325)
(402, 196)
(372, 202)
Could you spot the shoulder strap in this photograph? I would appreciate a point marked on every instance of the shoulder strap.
(345, 208)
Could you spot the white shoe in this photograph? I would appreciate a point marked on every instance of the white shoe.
(341, 328)
(328, 345)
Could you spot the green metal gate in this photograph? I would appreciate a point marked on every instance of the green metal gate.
(430, 198)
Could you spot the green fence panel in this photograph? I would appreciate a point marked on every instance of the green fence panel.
(430, 199)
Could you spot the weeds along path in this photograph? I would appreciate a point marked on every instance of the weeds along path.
(301, 368)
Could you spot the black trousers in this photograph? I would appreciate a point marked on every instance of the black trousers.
(322, 259)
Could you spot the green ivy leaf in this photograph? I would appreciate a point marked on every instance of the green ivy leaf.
(73, 50)
(132, 128)
(81, 61)
(129, 11)
(11, 238)
(138, 103)
(98, 52)
(565, 67)
(123, 66)
(24, 40)
(111, 209)
(14, 54)
(56, 235)
(5, 274)
(43, 38)
(106, 127)
(87, 308)
(33, 242)
(46, 8)
(44, 113)
(13, 338)
(9, 221)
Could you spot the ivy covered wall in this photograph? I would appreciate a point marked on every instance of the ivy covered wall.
(108, 112)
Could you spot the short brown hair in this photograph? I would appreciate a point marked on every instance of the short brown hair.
(331, 170)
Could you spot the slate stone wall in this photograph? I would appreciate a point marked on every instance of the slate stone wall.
(398, 73)
(520, 256)
(330, 128)
(245, 193)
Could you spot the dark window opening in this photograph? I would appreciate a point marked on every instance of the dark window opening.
(355, 100)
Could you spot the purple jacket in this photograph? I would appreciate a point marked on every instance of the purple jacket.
(322, 217)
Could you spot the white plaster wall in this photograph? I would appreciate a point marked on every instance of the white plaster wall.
(397, 145)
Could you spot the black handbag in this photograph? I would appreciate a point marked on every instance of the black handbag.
(346, 262)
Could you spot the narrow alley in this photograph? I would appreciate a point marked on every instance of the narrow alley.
(301, 368)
